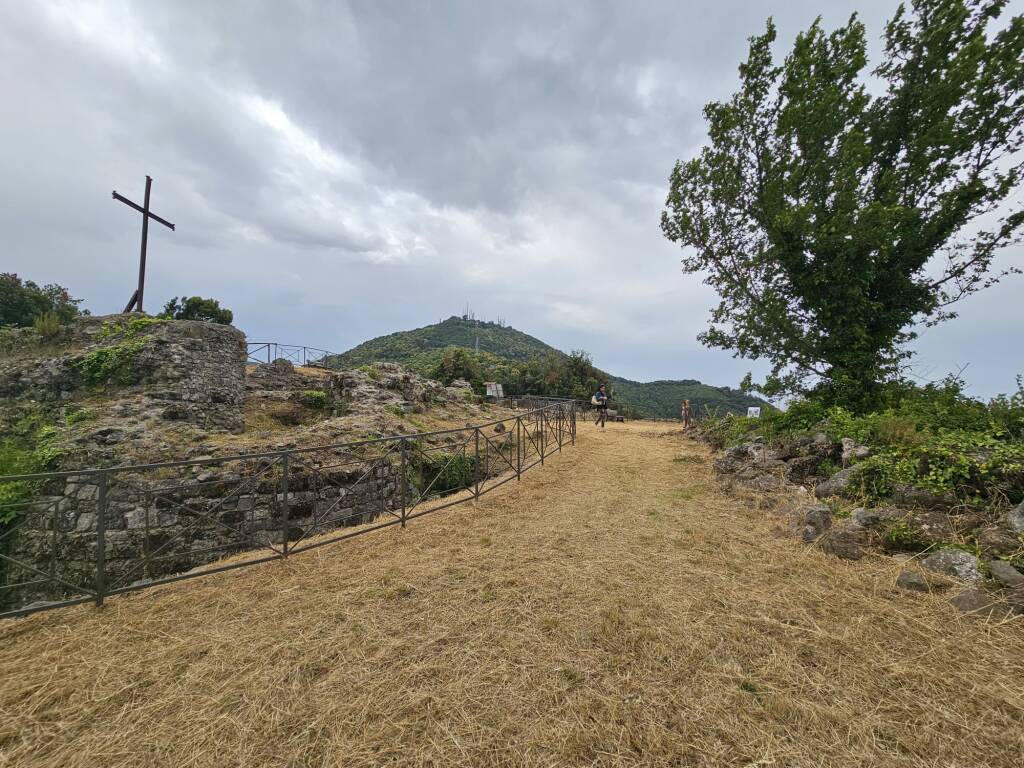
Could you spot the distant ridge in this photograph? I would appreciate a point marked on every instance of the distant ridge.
(421, 349)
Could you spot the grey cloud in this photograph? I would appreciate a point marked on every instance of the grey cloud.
(341, 170)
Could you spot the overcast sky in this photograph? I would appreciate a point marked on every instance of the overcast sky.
(339, 171)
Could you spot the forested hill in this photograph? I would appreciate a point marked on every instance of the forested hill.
(404, 346)
(520, 361)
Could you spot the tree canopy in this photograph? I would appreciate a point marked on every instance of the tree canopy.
(22, 302)
(831, 217)
(197, 308)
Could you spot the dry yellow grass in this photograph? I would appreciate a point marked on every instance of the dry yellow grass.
(614, 608)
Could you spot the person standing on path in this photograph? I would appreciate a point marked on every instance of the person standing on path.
(600, 399)
(684, 414)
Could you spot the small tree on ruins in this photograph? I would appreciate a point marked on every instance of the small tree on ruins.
(832, 217)
(197, 308)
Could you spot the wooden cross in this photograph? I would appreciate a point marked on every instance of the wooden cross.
(136, 299)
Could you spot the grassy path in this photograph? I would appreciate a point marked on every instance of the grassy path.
(614, 608)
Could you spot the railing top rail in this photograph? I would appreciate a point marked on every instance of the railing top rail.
(263, 454)
(294, 346)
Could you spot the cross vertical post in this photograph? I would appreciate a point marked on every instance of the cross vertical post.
(145, 238)
(136, 299)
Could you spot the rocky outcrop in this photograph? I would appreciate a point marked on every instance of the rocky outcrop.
(173, 370)
(915, 520)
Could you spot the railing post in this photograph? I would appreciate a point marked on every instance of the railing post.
(101, 540)
(402, 450)
(477, 473)
(285, 506)
(145, 538)
(540, 420)
(519, 448)
(561, 413)
(572, 423)
(53, 541)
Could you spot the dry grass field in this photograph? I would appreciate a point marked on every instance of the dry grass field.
(614, 608)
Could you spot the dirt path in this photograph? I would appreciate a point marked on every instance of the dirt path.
(615, 608)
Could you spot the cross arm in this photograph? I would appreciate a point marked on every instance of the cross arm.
(140, 209)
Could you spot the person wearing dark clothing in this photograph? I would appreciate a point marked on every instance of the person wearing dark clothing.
(600, 399)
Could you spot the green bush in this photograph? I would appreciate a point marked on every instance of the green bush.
(315, 398)
(197, 308)
(370, 371)
(31, 448)
(932, 437)
(47, 325)
(444, 472)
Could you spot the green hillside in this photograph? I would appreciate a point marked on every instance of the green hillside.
(520, 361)
(404, 346)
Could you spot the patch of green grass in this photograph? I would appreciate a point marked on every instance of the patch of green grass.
(128, 328)
(79, 415)
(571, 675)
(396, 411)
(899, 536)
(370, 371)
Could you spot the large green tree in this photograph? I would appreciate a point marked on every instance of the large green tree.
(197, 308)
(23, 301)
(834, 212)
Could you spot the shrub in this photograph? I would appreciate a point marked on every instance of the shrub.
(315, 398)
(370, 371)
(47, 325)
(933, 437)
(197, 308)
(31, 448)
(444, 472)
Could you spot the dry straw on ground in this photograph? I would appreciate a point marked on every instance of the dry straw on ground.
(615, 608)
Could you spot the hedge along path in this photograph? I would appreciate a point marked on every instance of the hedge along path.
(616, 608)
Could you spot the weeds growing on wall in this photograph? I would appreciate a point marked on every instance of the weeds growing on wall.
(112, 365)
(30, 447)
(129, 328)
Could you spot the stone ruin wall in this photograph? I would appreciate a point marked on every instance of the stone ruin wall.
(187, 517)
(186, 371)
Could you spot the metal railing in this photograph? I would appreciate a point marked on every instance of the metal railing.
(84, 535)
(268, 351)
